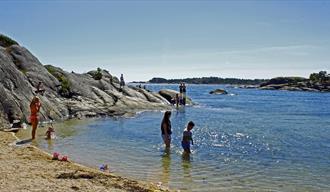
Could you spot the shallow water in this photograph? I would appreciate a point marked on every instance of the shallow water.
(252, 140)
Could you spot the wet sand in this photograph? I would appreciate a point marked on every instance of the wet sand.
(27, 168)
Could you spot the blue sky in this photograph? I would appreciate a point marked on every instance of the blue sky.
(175, 39)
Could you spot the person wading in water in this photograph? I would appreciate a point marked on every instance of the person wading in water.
(34, 119)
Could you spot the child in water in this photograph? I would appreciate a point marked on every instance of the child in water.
(187, 137)
(50, 134)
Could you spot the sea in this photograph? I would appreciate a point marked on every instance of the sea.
(247, 140)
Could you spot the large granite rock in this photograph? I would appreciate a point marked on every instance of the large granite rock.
(67, 94)
(169, 94)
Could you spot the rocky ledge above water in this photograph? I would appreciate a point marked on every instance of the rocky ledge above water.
(170, 94)
(95, 93)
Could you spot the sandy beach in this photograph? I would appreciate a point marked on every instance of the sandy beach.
(27, 168)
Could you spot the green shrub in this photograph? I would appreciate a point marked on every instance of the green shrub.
(97, 75)
(50, 69)
(24, 71)
(320, 77)
(65, 89)
(6, 41)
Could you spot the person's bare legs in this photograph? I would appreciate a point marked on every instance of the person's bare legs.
(34, 128)
(167, 143)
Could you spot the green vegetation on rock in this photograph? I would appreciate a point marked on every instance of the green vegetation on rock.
(97, 75)
(316, 82)
(6, 41)
(321, 77)
(65, 89)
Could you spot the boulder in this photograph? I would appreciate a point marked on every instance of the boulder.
(218, 92)
(169, 94)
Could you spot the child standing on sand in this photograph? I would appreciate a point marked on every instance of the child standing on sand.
(187, 137)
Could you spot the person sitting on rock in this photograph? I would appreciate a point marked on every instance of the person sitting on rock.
(40, 89)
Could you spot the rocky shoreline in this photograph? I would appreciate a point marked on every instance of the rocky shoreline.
(67, 95)
(291, 84)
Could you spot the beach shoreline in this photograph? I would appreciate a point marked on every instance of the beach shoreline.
(28, 168)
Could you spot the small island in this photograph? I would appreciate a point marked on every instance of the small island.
(317, 82)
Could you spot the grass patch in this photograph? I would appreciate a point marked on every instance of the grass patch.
(6, 41)
(65, 87)
(97, 75)
(24, 71)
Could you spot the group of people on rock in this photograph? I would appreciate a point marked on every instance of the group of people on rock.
(180, 98)
(166, 132)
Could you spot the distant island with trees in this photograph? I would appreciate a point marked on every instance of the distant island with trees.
(317, 82)
(209, 80)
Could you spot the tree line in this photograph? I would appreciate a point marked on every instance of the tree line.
(209, 80)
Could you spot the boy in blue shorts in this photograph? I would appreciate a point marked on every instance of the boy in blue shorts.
(187, 137)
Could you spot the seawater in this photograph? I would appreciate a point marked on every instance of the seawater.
(249, 140)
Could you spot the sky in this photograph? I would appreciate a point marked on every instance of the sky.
(174, 39)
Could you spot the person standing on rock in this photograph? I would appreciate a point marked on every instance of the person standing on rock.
(122, 82)
(34, 108)
(166, 129)
(183, 93)
(111, 80)
(177, 100)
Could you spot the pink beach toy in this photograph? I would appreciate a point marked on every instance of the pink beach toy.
(64, 158)
(56, 156)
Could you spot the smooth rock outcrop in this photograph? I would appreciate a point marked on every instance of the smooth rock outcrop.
(169, 94)
(219, 92)
(66, 94)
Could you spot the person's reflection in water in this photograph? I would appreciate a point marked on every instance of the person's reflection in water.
(166, 163)
(180, 110)
(50, 145)
(186, 167)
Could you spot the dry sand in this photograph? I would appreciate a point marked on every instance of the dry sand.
(27, 168)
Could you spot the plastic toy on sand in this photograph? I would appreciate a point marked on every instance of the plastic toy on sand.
(64, 158)
(104, 167)
(56, 156)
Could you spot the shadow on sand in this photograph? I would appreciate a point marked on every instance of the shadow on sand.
(23, 142)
